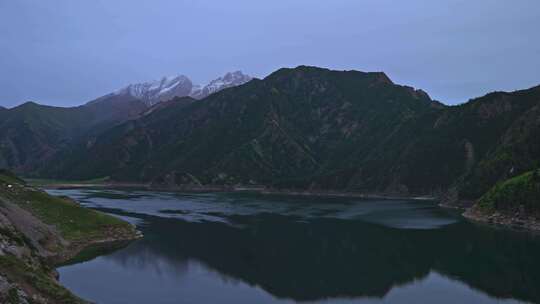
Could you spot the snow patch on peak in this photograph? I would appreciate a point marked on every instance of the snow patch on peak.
(169, 87)
(153, 92)
(227, 81)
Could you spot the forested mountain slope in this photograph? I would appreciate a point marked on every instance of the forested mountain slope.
(313, 128)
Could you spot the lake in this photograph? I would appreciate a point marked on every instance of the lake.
(246, 248)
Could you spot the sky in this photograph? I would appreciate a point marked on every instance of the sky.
(68, 52)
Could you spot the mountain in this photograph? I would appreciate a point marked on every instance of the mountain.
(153, 92)
(32, 134)
(294, 124)
(228, 81)
(516, 118)
(312, 128)
(303, 128)
(513, 202)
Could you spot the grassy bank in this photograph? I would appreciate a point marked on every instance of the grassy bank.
(520, 194)
(514, 202)
(41, 231)
(74, 222)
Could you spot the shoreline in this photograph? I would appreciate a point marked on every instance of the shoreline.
(108, 243)
(40, 233)
(501, 220)
(234, 189)
(467, 206)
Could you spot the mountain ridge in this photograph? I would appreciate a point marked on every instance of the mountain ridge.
(32, 134)
(316, 129)
(167, 88)
(313, 128)
(224, 97)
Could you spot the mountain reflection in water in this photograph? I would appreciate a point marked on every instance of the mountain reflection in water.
(232, 248)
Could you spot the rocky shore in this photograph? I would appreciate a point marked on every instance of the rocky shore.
(515, 222)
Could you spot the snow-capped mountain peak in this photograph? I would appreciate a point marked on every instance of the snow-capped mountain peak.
(167, 88)
(153, 92)
(227, 81)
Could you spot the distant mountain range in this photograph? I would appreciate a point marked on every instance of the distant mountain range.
(30, 134)
(153, 92)
(303, 128)
(228, 81)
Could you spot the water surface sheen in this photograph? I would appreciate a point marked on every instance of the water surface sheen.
(244, 248)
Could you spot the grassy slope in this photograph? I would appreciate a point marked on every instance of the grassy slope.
(6, 177)
(518, 195)
(75, 224)
(38, 277)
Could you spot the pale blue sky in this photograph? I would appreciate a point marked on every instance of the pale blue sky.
(67, 52)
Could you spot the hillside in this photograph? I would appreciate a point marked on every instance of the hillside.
(33, 134)
(517, 149)
(30, 134)
(37, 232)
(305, 128)
(296, 123)
(514, 202)
(313, 128)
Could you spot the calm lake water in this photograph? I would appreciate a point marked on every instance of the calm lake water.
(240, 248)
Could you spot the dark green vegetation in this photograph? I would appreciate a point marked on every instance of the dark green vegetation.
(7, 177)
(316, 129)
(38, 230)
(321, 129)
(293, 128)
(32, 134)
(72, 221)
(516, 196)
